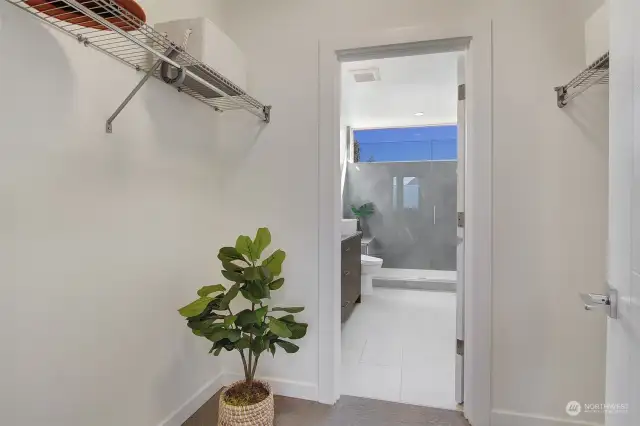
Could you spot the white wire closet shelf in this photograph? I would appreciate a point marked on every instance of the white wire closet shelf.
(596, 73)
(110, 28)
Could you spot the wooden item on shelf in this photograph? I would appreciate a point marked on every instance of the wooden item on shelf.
(114, 11)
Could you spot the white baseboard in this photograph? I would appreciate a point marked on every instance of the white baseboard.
(509, 418)
(290, 388)
(205, 393)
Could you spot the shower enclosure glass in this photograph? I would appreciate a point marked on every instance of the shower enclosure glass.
(410, 176)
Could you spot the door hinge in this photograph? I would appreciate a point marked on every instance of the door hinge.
(460, 219)
(460, 347)
(462, 92)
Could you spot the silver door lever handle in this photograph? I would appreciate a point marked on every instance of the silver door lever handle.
(608, 302)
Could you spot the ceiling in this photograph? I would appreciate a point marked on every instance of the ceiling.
(408, 85)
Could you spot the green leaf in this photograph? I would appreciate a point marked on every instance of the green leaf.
(243, 343)
(229, 320)
(244, 246)
(294, 310)
(195, 308)
(218, 335)
(287, 319)
(208, 289)
(249, 297)
(233, 276)
(255, 329)
(215, 305)
(197, 332)
(274, 262)
(260, 313)
(203, 326)
(289, 347)
(231, 294)
(217, 352)
(229, 254)
(231, 267)
(279, 328)
(258, 345)
(260, 242)
(298, 330)
(251, 274)
(276, 284)
(266, 291)
(234, 335)
(256, 290)
(246, 317)
(272, 348)
(265, 274)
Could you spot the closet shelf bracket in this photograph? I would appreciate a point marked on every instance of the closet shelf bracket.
(596, 73)
(108, 27)
(135, 91)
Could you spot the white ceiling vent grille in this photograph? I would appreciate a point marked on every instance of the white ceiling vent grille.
(366, 75)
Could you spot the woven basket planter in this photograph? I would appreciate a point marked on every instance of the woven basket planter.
(260, 414)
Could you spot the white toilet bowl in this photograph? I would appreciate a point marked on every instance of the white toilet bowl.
(370, 267)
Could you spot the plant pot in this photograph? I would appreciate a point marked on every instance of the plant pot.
(259, 414)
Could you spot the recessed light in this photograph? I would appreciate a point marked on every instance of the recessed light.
(419, 114)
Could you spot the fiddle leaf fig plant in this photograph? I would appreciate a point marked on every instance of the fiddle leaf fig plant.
(363, 211)
(257, 328)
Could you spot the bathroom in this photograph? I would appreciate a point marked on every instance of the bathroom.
(400, 200)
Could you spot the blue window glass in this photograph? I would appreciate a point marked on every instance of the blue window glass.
(408, 144)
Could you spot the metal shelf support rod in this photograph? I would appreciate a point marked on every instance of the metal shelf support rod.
(136, 89)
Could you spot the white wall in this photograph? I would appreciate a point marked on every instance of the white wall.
(407, 85)
(550, 215)
(103, 236)
(549, 182)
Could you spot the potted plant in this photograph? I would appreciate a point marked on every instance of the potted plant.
(251, 331)
(362, 212)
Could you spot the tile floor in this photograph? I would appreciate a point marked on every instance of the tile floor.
(399, 346)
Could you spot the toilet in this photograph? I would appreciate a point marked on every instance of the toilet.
(370, 267)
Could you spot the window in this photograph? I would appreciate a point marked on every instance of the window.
(407, 196)
(407, 144)
(410, 193)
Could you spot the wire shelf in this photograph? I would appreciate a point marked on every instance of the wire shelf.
(596, 73)
(113, 30)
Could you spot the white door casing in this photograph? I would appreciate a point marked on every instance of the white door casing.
(623, 334)
(475, 32)
(461, 164)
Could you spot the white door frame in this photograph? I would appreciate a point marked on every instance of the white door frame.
(476, 35)
(461, 168)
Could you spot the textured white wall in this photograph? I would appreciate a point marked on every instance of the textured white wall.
(550, 174)
(103, 236)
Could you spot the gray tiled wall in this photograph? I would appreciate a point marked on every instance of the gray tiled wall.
(403, 224)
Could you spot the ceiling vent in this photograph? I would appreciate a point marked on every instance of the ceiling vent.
(366, 75)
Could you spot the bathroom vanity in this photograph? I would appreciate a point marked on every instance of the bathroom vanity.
(351, 270)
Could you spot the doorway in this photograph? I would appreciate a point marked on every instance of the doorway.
(400, 167)
(478, 234)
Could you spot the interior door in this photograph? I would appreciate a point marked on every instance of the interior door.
(462, 140)
(623, 333)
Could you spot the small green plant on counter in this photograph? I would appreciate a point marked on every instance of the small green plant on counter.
(254, 330)
(364, 211)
